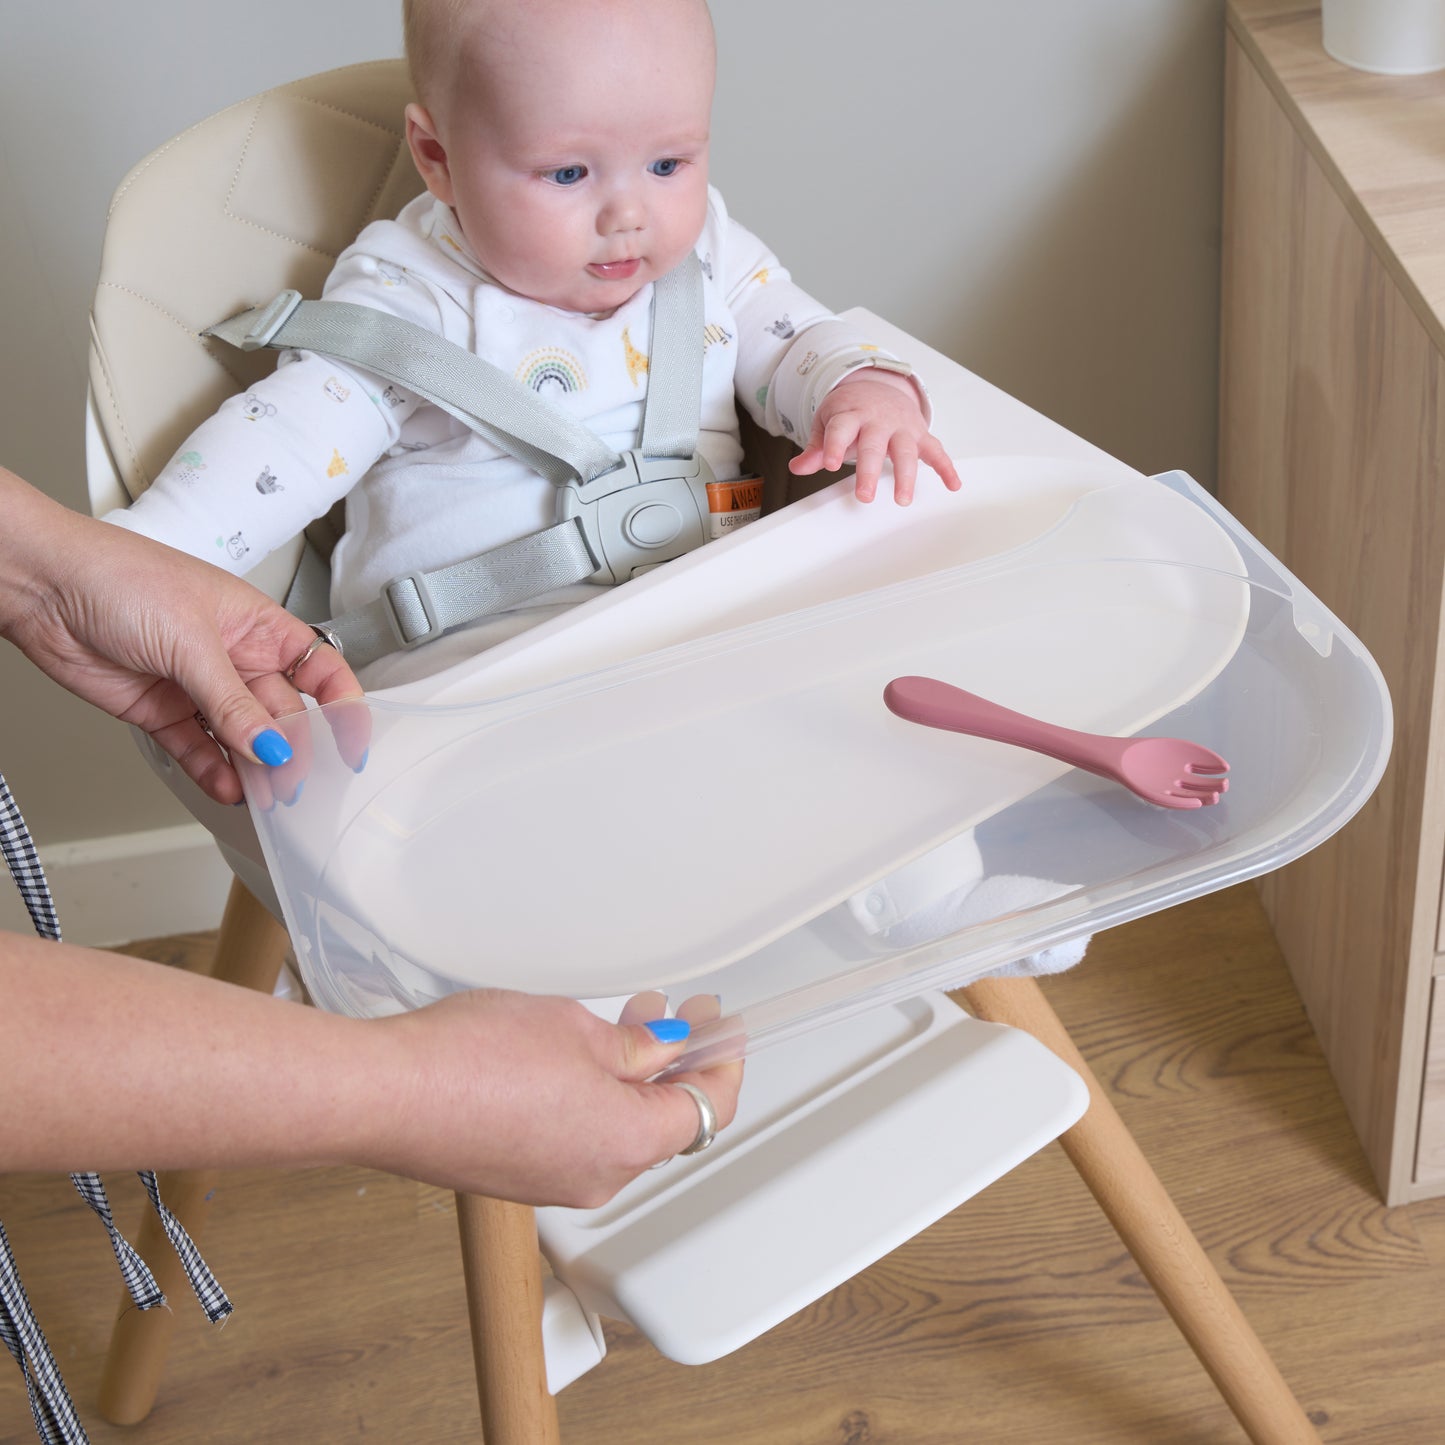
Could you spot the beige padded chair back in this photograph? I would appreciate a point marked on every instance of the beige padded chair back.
(260, 197)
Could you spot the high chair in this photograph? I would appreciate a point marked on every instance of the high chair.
(262, 196)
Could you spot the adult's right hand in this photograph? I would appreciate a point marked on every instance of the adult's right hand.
(506, 1094)
(536, 1099)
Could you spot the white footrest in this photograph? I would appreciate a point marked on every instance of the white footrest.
(848, 1142)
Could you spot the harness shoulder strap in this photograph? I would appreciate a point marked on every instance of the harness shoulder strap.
(474, 391)
(421, 605)
(672, 411)
(483, 396)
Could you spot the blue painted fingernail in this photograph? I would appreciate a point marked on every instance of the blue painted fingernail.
(362, 763)
(296, 795)
(271, 748)
(669, 1031)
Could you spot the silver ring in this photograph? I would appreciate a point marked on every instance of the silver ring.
(706, 1119)
(328, 636)
(324, 638)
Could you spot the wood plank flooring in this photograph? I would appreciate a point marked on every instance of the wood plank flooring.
(1018, 1319)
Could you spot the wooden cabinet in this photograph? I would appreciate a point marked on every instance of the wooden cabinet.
(1332, 451)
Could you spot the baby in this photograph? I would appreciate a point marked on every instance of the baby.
(564, 147)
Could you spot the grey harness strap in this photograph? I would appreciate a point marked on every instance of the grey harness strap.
(473, 390)
(422, 605)
(673, 408)
(605, 532)
(56, 1421)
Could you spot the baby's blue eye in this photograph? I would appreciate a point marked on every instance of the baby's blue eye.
(664, 168)
(567, 175)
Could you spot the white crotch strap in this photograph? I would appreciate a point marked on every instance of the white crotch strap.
(617, 513)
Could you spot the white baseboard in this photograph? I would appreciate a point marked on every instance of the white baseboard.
(128, 886)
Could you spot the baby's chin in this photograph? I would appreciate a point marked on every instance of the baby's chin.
(596, 297)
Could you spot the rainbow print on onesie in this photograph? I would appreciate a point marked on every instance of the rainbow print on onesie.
(552, 369)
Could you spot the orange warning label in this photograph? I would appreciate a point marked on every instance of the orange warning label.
(733, 504)
(744, 494)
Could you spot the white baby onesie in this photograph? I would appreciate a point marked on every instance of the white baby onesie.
(423, 490)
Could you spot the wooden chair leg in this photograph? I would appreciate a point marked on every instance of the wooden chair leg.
(250, 950)
(1140, 1209)
(504, 1302)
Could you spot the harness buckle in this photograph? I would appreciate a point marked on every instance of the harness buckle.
(645, 511)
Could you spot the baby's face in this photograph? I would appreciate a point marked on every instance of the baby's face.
(577, 166)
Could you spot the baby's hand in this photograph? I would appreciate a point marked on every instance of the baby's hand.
(874, 416)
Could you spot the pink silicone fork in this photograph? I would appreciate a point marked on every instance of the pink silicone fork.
(1167, 771)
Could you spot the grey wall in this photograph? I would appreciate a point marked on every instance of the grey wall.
(1028, 185)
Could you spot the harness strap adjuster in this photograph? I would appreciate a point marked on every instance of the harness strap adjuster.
(412, 610)
(269, 319)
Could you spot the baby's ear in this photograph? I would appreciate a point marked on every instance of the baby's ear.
(427, 152)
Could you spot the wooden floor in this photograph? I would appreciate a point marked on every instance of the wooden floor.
(1018, 1319)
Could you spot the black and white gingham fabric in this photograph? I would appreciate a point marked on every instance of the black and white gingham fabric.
(25, 867)
(50, 1403)
(208, 1290)
(55, 1419)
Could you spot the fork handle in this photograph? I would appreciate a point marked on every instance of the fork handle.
(937, 704)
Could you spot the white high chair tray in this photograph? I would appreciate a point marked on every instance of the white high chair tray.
(645, 826)
(562, 814)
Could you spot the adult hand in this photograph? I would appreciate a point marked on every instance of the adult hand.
(875, 416)
(538, 1100)
(153, 637)
(506, 1094)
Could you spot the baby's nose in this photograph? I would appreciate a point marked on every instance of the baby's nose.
(622, 211)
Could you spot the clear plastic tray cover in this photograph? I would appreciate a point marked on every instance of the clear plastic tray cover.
(742, 816)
